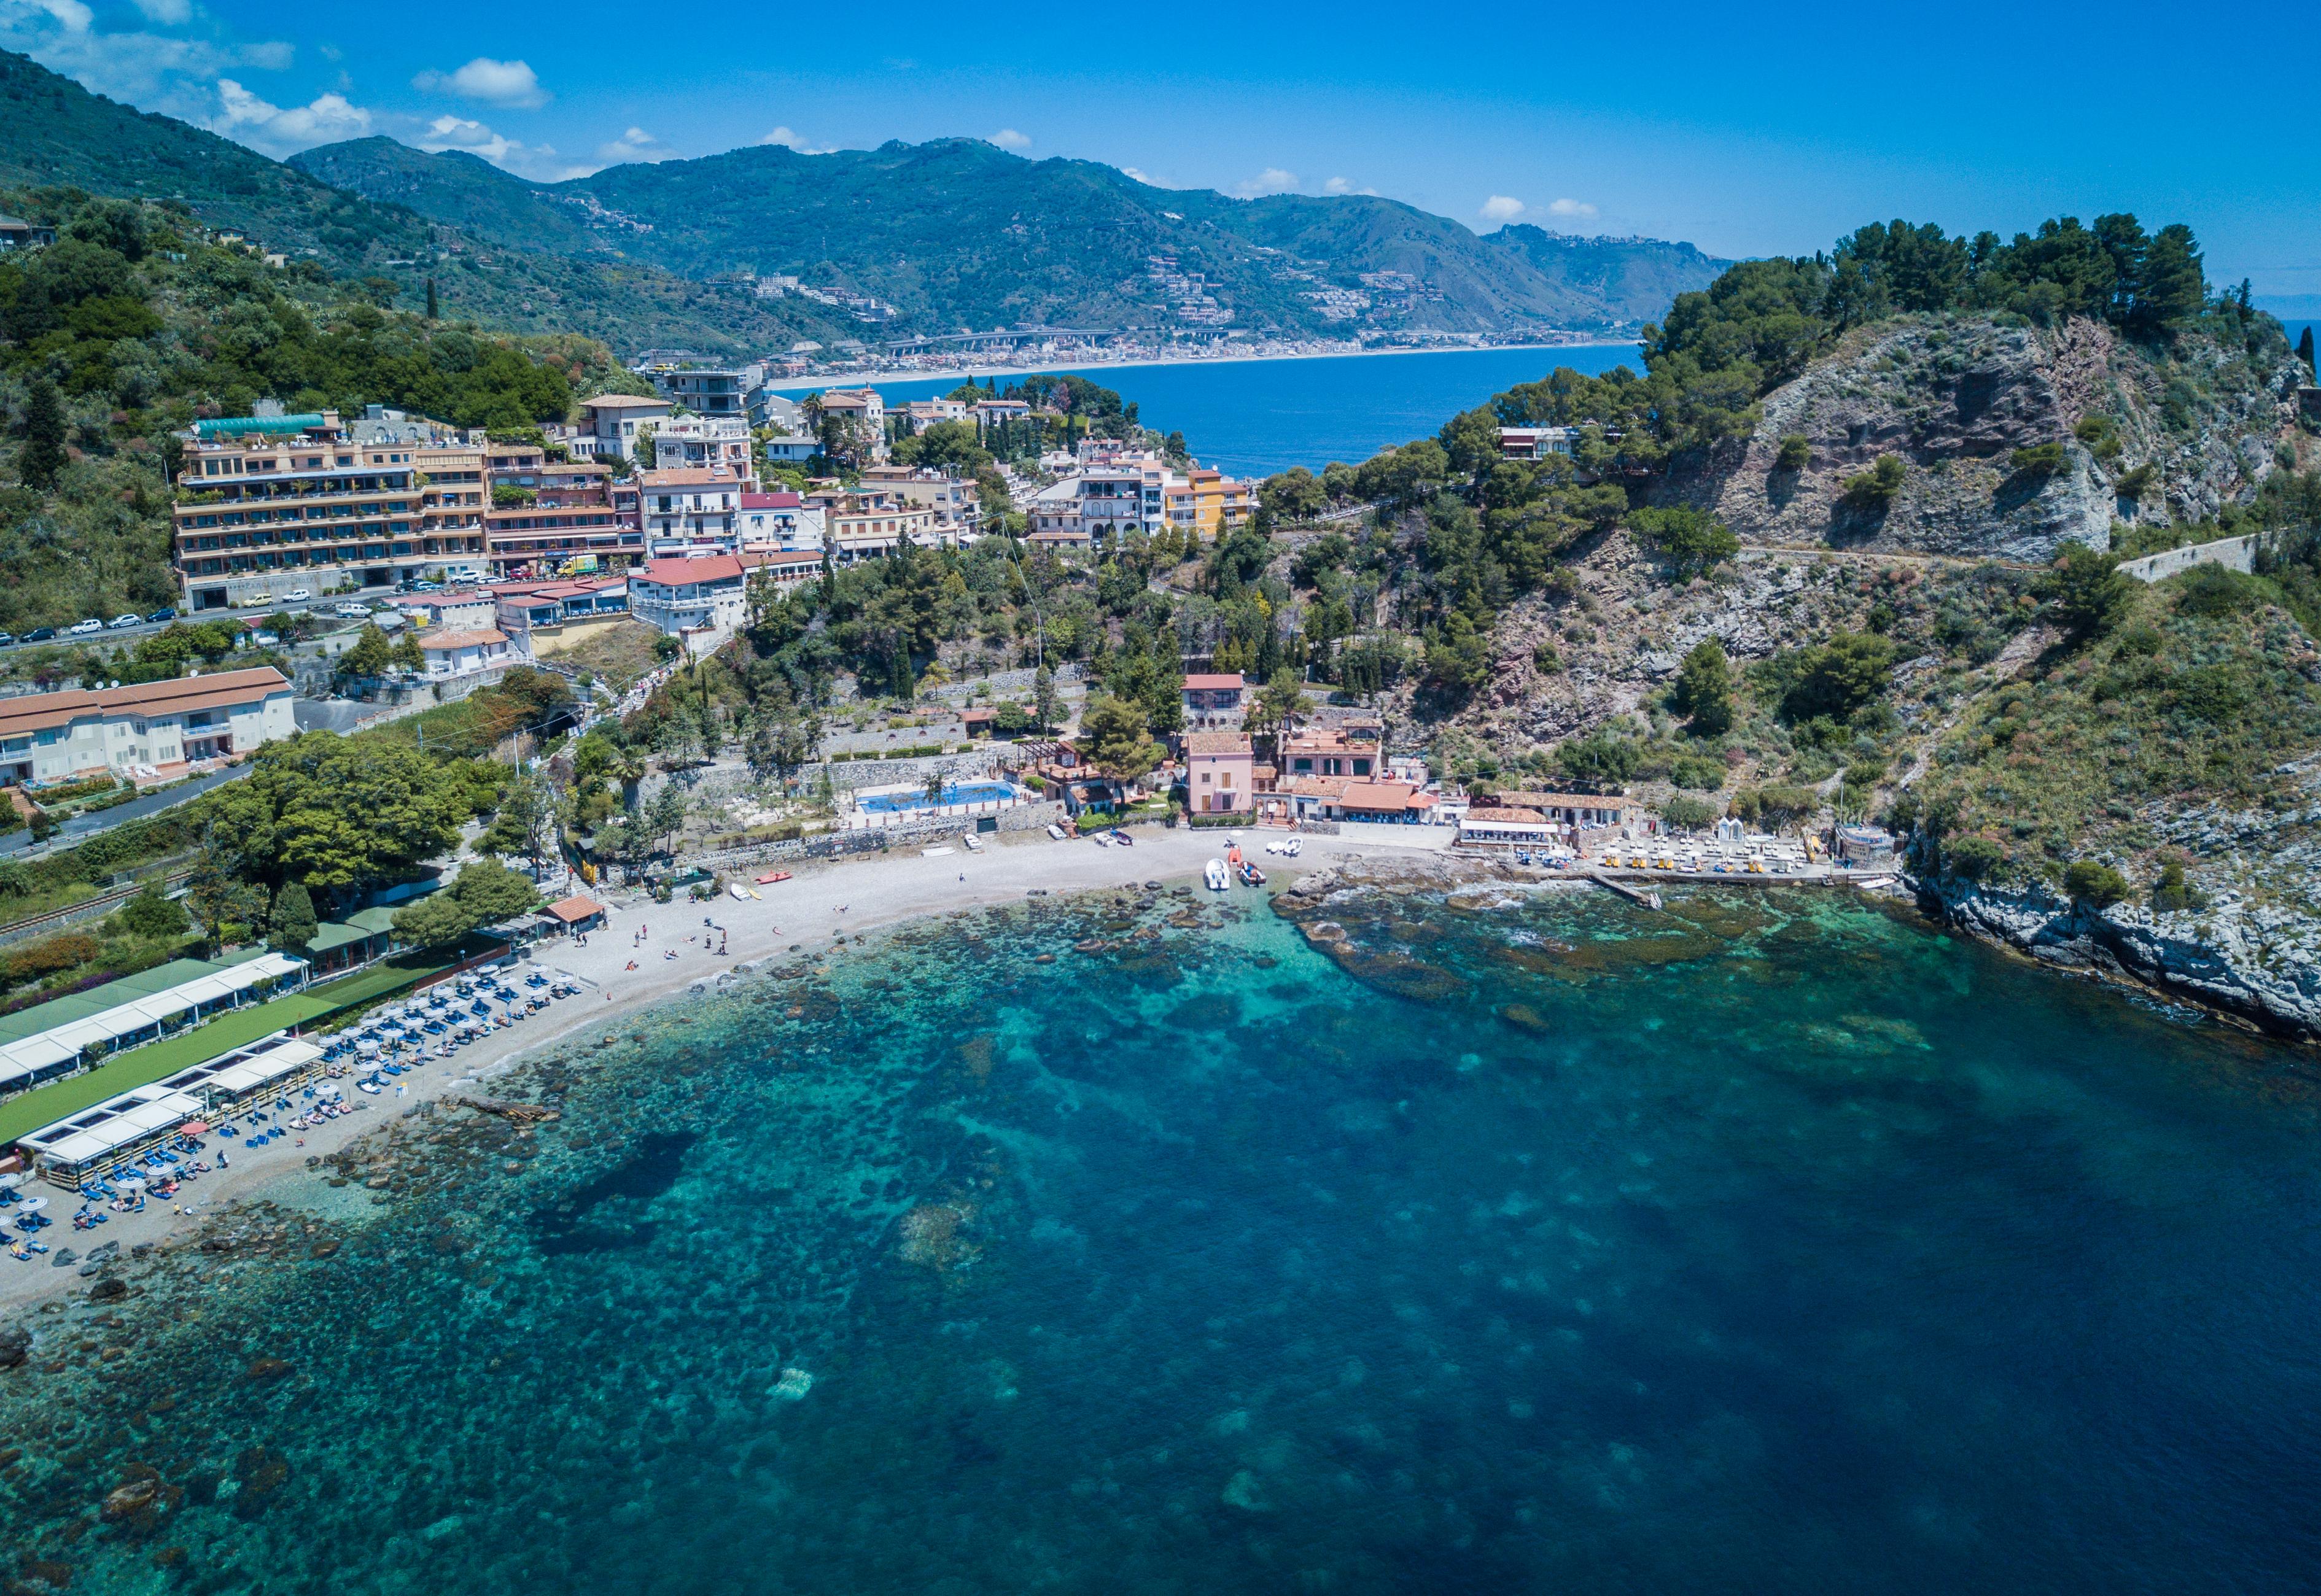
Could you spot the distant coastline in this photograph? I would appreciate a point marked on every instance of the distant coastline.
(977, 373)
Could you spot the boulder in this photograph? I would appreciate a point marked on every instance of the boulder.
(16, 1346)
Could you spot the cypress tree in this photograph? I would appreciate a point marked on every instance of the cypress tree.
(43, 454)
(293, 924)
(430, 299)
(2304, 347)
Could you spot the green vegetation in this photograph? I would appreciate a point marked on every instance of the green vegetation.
(483, 893)
(1703, 693)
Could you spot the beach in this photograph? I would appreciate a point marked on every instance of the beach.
(1081, 365)
(823, 903)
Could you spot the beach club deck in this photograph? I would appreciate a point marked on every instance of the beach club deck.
(126, 1126)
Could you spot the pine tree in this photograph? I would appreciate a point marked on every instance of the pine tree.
(43, 457)
(293, 924)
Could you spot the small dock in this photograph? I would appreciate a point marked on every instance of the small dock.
(1634, 894)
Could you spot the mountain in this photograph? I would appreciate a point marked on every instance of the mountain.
(1619, 279)
(53, 132)
(958, 232)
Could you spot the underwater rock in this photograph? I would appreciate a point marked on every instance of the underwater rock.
(266, 1368)
(1244, 1493)
(793, 1385)
(129, 1500)
(1524, 1017)
(514, 1113)
(16, 1346)
(1322, 931)
(108, 1290)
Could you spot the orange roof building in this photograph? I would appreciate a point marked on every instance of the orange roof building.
(146, 731)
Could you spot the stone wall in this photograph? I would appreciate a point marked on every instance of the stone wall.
(2235, 554)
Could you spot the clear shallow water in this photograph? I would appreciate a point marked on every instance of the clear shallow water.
(1773, 1244)
(1256, 417)
(969, 792)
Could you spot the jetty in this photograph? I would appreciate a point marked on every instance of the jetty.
(1634, 894)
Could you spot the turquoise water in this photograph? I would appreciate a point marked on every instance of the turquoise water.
(1769, 1245)
(1256, 417)
(967, 792)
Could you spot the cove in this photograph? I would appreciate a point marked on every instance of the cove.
(1519, 1243)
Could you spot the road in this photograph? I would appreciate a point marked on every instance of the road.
(82, 827)
(321, 609)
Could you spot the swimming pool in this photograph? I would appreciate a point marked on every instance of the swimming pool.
(968, 792)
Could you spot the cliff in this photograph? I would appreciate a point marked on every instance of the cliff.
(1955, 397)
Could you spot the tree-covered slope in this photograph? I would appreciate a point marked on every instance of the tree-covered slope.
(957, 232)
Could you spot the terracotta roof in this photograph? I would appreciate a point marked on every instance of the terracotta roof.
(1208, 683)
(690, 476)
(571, 911)
(36, 711)
(1508, 817)
(678, 573)
(1565, 800)
(439, 642)
(1379, 795)
(1216, 742)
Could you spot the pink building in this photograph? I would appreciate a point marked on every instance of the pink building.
(1219, 772)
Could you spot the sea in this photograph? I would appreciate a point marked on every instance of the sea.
(1252, 418)
(1505, 1239)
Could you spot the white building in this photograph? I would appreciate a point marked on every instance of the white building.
(862, 413)
(461, 653)
(698, 442)
(614, 419)
(696, 506)
(705, 594)
(154, 729)
(779, 522)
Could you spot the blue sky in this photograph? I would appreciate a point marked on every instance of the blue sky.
(1746, 130)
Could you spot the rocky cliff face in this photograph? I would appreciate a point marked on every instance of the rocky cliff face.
(1953, 397)
(2255, 962)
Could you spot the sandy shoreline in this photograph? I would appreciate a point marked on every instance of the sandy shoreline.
(1081, 368)
(823, 901)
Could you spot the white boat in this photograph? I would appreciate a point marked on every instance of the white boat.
(739, 891)
(1214, 873)
(936, 853)
(1055, 831)
(974, 843)
(1294, 847)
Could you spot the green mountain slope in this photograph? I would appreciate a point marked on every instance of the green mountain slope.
(54, 132)
(957, 232)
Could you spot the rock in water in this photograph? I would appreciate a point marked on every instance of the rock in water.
(130, 1500)
(793, 1385)
(16, 1346)
(1242, 1491)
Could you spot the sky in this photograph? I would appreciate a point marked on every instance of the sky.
(1746, 130)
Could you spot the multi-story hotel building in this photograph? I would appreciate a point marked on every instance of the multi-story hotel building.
(559, 516)
(269, 505)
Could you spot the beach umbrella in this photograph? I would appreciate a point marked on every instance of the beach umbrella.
(135, 1183)
(9, 1183)
(33, 1204)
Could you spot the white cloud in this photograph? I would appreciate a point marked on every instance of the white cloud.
(1344, 185)
(1272, 180)
(538, 161)
(327, 119)
(635, 145)
(513, 86)
(153, 71)
(1009, 138)
(1137, 173)
(1571, 207)
(1502, 207)
(169, 14)
(791, 139)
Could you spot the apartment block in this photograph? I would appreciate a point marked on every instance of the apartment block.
(550, 517)
(151, 731)
(269, 505)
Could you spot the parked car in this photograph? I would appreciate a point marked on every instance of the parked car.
(119, 621)
(7, 638)
(296, 595)
(167, 613)
(355, 612)
(427, 587)
(91, 624)
(39, 634)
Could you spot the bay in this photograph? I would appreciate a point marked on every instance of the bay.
(1253, 418)
(1532, 1243)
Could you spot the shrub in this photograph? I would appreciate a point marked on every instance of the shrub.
(2214, 693)
(1833, 679)
(1974, 858)
(2132, 485)
(1597, 760)
(1545, 660)
(1687, 539)
(1876, 488)
(1697, 774)
(2172, 893)
(1795, 454)
(151, 913)
(2212, 591)
(2096, 885)
(1687, 814)
(65, 952)
(2041, 459)
(1777, 806)
(2101, 437)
